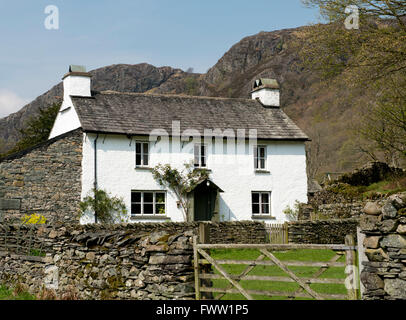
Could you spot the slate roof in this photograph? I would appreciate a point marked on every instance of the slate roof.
(139, 113)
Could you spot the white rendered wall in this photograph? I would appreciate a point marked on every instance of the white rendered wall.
(267, 96)
(67, 118)
(235, 174)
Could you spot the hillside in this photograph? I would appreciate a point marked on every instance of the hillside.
(322, 111)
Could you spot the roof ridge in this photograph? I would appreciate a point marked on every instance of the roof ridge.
(111, 92)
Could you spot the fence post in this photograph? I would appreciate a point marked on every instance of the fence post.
(286, 232)
(352, 274)
(196, 268)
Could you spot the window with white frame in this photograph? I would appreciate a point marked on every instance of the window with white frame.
(141, 154)
(148, 203)
(260, 157)
(261, 203)
(200, 156)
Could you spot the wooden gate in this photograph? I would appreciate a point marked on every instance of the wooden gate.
(278, 233)
(203, 258)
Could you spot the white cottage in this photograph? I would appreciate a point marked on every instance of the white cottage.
(254, 153)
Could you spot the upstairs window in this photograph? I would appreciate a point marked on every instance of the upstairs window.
(141, 154)
(261, 203)
(148, 203)
(200, 156)
(260, 157)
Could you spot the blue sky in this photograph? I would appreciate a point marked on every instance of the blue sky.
(96, 33)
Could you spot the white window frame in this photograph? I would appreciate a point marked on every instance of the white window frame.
(258, 158)
(154, 203)
(260, 213)
(142, 154)
(206, 156)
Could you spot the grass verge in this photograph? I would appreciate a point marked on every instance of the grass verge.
(9, 294)
(300, 271)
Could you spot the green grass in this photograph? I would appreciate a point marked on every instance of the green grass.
(7, 294)
(386, 187)
(300, 271)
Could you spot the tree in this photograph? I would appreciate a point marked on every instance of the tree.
(107, 209)
(372, 58)
(37, 129)
(180, 182)
(377, 49)
(385, 125)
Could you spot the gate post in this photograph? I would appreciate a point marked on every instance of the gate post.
(204, 233)
(204, 238)
(351, 269)
(196, 268)
(361, 258)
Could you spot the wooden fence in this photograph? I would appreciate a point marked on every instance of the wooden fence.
(278, 233)
(203, 258)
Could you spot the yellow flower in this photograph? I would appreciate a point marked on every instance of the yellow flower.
(33, 219)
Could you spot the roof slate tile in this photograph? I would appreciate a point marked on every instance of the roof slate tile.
(139, 114)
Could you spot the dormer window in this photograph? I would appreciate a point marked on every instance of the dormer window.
(200, 156)
(260, 158)
(141, 154)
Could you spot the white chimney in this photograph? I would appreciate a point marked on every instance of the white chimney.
(267, 91)
(75, 83)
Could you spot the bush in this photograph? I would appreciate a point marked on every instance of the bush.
(292, 214)
(107, 209)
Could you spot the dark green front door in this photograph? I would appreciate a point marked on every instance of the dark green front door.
(204, 203)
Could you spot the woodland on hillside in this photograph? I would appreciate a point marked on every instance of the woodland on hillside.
(371, 62)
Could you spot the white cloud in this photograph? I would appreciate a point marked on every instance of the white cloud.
(10, 102)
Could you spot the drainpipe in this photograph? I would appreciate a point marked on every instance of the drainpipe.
(95, 175)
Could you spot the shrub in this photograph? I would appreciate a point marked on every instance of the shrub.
(107, 209)
(292, 214)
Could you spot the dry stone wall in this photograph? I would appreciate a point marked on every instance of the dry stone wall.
(45, 179)
(384, 274)
(322, 231)
(112, 262)
(126, 261)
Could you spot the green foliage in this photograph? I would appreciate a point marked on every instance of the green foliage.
(347, 190)
(191, 86)
(373, 191)
(36, 253)
(37, 129)
(107, 209)
(371, 59)
(9, 294)
(180, 182)
(292, 214)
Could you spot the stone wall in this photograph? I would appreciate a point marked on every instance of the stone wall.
(45, 179)
(106, 262)
(384, 274)
(370, 173)
(238, 232)
(322, 231)
(126, 261)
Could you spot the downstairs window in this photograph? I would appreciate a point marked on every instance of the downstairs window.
(148, 203)
(261, 203)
